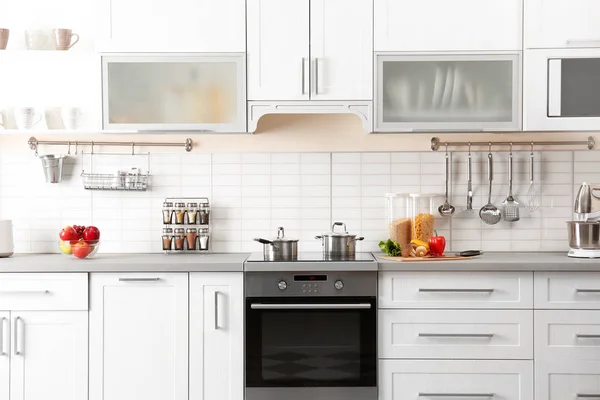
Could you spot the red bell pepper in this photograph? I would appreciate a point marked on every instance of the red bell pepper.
(437, 244)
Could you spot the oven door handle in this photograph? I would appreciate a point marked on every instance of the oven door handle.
(352, 306)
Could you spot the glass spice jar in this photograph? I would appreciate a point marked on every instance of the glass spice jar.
(192, 212)
(204, 213)
(167, 238)
(191, 235)
(203, 236)
(179, 213)
(167, 213)
(179, 238)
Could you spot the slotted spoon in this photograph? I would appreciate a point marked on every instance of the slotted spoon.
(510, 206)
(490, 213)
(533, 194)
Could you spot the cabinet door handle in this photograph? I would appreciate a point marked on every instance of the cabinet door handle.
(316, 75)
(216, 309)
(587, 290)
(426, 290)
(580, 336)
(588, 395)
(19, 336)
(456, 394)
(24, 291)
(457, 335)
(5, 336)
(303, 75)
(139, 279)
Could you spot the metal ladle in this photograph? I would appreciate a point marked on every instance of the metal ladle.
(446, 209)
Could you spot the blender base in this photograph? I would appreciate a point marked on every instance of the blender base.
(584, 253)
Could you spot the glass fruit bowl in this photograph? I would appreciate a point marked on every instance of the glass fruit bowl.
(79, 249)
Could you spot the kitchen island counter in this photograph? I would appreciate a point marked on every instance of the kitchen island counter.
(228, 262)
(552, 261)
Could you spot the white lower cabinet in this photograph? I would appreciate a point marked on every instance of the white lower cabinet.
(139, 336)
(567, 380)
(4, 355)
(445, 379)
(49, 359)
(217, 336)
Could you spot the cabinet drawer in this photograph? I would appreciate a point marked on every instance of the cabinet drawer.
(561, 380)
(567, 290)
(455, 290)
(39, 292)
(445, 379)
(456, 334)
(572, 335)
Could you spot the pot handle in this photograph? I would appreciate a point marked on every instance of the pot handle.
(339, 224)
(319, 237)
(264, 241)
(355, 240)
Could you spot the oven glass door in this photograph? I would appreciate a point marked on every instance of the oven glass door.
(311, 342)
(574, 87)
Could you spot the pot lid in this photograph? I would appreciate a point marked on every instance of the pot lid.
(338, 234)
(281, 236)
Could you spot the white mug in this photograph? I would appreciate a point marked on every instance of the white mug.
(6, 238)
(27, 118)
(71, 117)
(37, 39)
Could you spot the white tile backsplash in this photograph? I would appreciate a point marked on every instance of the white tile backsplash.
(252, 194)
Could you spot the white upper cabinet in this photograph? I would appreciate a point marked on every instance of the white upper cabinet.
(175, 25)
(278, 50)
(305, 50)
(561, 24)
(442, 25)
(139, 336)
(341, 46)
(49, 358)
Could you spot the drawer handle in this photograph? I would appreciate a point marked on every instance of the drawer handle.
(588, 395)
(588, 290)
(456, 395)
(19, 336)
(457, 335)
(24, 291)
(139, 279)
(5, 335)
(456, 290)
(580, 336)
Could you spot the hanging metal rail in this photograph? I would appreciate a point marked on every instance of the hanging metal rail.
(34, 143)
(590, 143)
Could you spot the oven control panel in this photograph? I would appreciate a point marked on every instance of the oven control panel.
(355, 283)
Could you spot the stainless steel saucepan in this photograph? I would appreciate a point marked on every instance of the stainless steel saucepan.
(339, 245)
(280, 248)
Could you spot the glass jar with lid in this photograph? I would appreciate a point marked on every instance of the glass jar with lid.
(422, 211)
(167, 239)
(192, 212)
(179, 213)
(203, 239)
(179, 238)
(167, 212)
(399, 221)
(204, 213)
(191, 235)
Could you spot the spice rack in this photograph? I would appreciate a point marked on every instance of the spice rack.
(186, 225)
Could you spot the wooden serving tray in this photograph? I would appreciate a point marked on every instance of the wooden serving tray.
(429, 258)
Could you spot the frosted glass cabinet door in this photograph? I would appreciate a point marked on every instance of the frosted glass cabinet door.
(171, 92)
(448, 93)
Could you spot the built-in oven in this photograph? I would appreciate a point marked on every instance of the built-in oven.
(311, 335)
(562, 89)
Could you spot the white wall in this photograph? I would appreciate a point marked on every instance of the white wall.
(254, 193)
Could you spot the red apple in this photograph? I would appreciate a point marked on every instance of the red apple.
(68, 234)
(91, 234)
(81, 249)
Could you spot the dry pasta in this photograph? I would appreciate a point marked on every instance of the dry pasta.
(422, 227)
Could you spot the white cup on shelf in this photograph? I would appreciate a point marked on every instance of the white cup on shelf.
(71, 117)
(27, 117)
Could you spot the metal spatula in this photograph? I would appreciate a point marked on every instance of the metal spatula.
(510, 206)
(490, 213)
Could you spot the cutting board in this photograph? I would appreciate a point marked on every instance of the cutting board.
(417, 259)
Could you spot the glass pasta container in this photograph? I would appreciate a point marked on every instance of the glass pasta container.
(422, 211)
(399, 221)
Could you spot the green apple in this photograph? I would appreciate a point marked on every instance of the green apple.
(65, 247)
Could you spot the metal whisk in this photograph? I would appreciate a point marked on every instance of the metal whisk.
(533, 194)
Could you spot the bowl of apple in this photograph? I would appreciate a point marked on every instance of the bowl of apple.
(79, 241)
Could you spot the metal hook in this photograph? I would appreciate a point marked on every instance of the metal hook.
(92, 147)
(510, 144)
(69, 151)
(132, 148)
(490, 147)
(76, 150)
(446, 149)
(469, 148)
(531, 148)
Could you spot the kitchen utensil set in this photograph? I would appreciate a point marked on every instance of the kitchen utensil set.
(489, 213)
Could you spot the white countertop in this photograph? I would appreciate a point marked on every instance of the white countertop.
(498, 262)
(159, 262)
